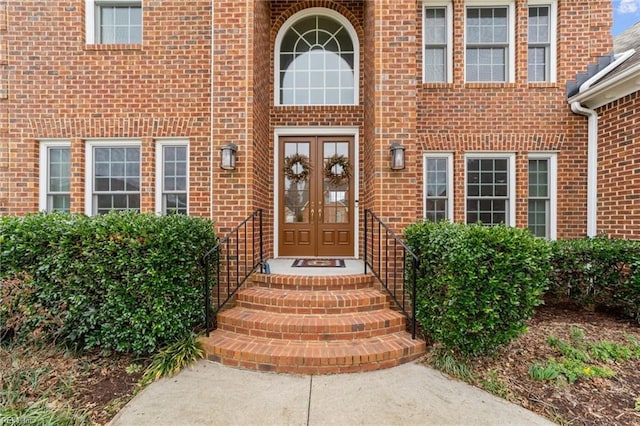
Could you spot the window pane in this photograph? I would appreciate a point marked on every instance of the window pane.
(435, 26)
(319, 46)
(59, 203)
(487, 191)
(174, 198)
(116, 175)
(436, 197)
(435, 64)
(58, 179)
(120, 23)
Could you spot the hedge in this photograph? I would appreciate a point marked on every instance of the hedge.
(597, 273)
(478, 285)
(124, 282)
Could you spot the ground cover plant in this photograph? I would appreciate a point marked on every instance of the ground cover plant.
(603, 390)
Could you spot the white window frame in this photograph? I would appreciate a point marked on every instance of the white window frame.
(552, 157)
(160, 145)
(510, 74)
(356, 52)
(553, 36)
(449, 157)
(449, 21)
(511, 158)
(89, 177)
(90, 9)
(45, 144)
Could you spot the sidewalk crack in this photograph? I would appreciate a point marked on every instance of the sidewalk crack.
(309, 402)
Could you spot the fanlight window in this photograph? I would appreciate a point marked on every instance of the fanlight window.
(317, 63)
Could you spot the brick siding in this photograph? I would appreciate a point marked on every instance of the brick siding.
(57, 87)
(619, 168)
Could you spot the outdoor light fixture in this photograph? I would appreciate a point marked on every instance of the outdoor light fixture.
(228, 156)
(397, 156)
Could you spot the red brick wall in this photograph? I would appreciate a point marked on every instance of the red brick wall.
(62, 88)
(518, 117)
(619, 168)
(263, 166)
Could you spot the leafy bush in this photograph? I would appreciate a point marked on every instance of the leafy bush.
(597, 272)
(125, 282)
(477, 285)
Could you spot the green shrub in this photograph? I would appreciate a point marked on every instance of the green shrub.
(477, 285)
(596, 272)
(124, 282)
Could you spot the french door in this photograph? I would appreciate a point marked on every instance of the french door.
(316, 211)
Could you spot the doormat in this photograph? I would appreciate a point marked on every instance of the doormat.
(318, 263)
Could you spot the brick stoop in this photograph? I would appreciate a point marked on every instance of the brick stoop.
(312, 325)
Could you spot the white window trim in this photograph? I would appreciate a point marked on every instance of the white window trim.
(511, 157)
(88, 177)
(552, 157)
(311, 12)
(90, 18)
(511, 62)
(553, 36)
(45, 144)
(449, 19)
(160, 144)
(449, 157)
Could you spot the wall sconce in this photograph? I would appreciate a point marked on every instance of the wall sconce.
(228, 156)
(397, 156)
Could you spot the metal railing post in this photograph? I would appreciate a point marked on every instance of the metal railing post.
(366, 239)
(414, 294)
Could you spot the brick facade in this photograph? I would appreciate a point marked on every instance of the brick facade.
(619, 168)
(204, 72)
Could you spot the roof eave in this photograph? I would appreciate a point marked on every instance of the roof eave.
(611, 90)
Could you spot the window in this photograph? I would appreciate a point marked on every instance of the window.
(438, 186)
(541, 216)
(490, 188)
(55, 176)
(541, 52)
(489, 44)
(317, 60)
(172, 177)
(437, 36)
(113, 21)
(114, 177)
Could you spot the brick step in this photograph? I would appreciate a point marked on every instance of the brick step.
(359, 325)
(327, 283)
(312, 302)
(311, 357)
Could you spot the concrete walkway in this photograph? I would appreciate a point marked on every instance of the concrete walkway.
(411, 394)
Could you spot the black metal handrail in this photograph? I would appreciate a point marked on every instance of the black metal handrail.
(393, 264)
(228, 265)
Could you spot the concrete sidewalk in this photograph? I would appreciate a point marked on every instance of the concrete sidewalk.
(411, 394)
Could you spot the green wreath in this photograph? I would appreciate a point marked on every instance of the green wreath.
(336, 175)
(291, 164)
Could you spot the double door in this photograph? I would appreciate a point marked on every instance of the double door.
(316, 211)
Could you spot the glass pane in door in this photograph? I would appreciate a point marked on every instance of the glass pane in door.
(296, 169)
(336, 182)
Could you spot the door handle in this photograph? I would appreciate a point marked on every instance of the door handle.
(320, 214)
(312, 212)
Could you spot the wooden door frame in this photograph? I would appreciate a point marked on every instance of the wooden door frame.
(352, 132)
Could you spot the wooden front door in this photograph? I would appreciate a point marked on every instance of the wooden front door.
(316, 207)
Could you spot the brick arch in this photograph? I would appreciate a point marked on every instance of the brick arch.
(307, 4)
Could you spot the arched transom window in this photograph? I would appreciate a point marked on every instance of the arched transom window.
(317, 61)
